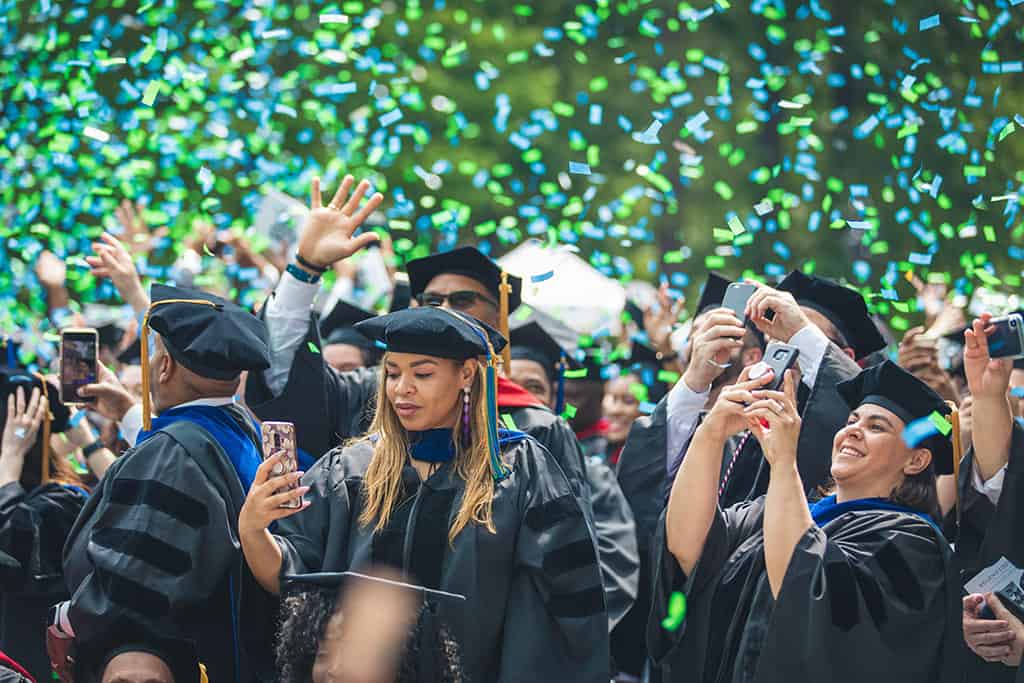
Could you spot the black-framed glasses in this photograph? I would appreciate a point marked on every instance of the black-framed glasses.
(460, 300)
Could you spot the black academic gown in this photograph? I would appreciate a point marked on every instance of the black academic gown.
(646, 485)
(33, 528)
(615, 531)
(534, 608)
(328, 408)
(988, 532)
(871, 597)
(154, 562)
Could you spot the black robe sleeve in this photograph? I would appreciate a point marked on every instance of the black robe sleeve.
(33, 528)
(322, 529)
(325, 406)
(555, 434)
(616, 540)
(556, 624)
(153, 544)
(873, 600)
(729, 528)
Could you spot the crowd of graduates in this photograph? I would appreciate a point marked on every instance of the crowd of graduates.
(482, 491)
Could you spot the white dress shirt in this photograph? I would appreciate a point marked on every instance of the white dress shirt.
(131, 423)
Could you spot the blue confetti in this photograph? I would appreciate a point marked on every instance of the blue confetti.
(928, 23)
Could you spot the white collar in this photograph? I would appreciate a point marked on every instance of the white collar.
(217, 401)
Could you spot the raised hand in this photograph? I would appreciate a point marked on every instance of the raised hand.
(327, 235)
(713, 343)
(20, 432)
(113, 261)
(658, 320)
(728, 416)
(50, 270)
(268, 495)
(775, 422)
(788, 318)
(987, 377)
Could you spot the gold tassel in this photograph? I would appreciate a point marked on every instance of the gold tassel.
(47, 420)
(147, 418)
(958, 452)
(504, 290)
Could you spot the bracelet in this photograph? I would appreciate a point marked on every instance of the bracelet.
(301, 275)
(92, 448)
(306, 264)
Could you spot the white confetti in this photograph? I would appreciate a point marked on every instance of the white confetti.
(242, 55)
(96, 134)
(334, 18)
(761, 208)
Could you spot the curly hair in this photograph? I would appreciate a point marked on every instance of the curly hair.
(430, 652)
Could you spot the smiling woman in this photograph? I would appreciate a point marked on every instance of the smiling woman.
(779, 590)
(438, 492)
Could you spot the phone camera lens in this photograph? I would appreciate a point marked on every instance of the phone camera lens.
(1013, 322)
(779, 354)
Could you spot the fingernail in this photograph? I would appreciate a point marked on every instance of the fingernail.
(758, 370)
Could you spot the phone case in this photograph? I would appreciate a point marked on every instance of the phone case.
(280, 436)
(780, 358)
(1008, 339)
(736, 296)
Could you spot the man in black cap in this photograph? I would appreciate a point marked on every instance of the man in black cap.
(345, 347)
(153, 561)
(329, 407)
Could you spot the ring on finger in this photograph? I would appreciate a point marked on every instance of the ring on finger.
(720, 366)
(19, 432)
(334, 207)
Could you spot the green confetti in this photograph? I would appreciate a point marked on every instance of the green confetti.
(509, 422)
(676, 612)
(152, 90)
(569, 412)
(941, 423)
(575, 374)
(312, 347)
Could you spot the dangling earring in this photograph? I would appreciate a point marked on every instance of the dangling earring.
(465, 418)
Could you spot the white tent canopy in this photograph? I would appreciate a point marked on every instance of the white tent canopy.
(567, 287)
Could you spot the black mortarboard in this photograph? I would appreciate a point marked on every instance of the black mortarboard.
(467, 261)
(844, 307)
(132, 354)
(336, 580)
(218, 340)
(591, 364)
(433, 332)
(645, 364)
(535, 339)
(338, 326)
(12, 378)
(56, 418)
(893, 388)
(713, 293)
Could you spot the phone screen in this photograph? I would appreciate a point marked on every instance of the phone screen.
(736, 296)
(78, 365)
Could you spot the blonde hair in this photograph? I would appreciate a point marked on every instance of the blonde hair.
(382, 484)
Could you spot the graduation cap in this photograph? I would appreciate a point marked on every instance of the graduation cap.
(645, 363)
(57, 414)
(470, 262)
(132, 354)
(531, 341)
(893, 388)
(337, 327)
(844, 308)
(210, 336)
(432, 331)
(444, 333)
(713, 293)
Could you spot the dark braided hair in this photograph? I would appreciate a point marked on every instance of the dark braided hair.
(430, 654)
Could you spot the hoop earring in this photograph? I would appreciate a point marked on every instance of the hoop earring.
(465, 418)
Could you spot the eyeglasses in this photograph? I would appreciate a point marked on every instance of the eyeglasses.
(460, 300)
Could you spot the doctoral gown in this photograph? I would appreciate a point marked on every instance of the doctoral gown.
(869, 596)
(534, 608)
(155, 561)
(33, 528)
(988, 532)
(646, 482)
(328, 408)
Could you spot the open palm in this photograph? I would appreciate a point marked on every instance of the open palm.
(328, 234)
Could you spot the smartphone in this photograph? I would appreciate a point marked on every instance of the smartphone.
(79, 364)
(736, 296)
(280, 436)
(780, 358)
(1007, 340)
